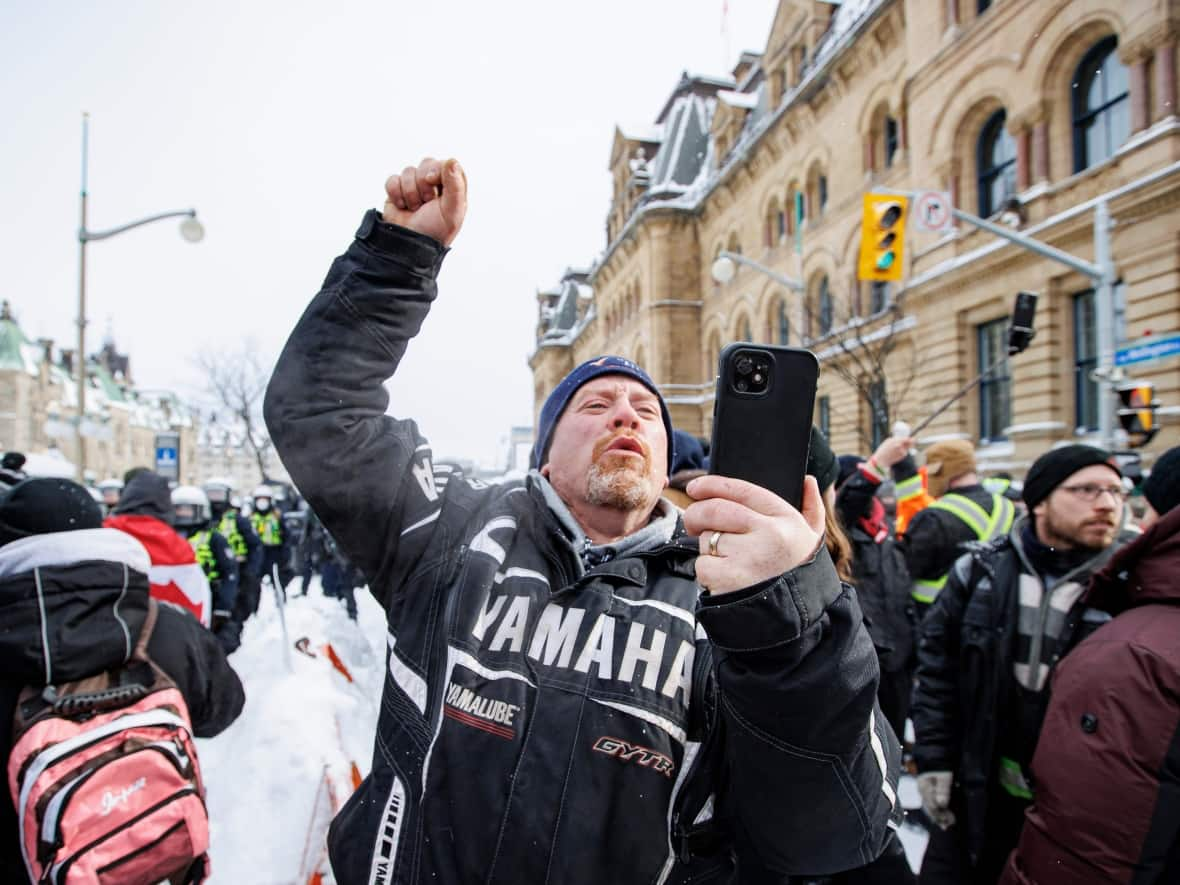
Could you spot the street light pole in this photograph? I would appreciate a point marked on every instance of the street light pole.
(1104, 308)
(79, 357)
(192, 231)
(723, 270)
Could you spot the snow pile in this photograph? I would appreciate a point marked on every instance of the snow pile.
(268, 802)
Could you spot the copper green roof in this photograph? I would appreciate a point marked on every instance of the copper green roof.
(113, 391)
(12, 344)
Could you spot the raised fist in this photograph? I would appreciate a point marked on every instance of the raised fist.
(430, 198)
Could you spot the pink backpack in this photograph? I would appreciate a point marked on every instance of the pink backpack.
(105, 779)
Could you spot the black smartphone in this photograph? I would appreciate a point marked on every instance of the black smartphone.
(762, 416)
(1021, 331)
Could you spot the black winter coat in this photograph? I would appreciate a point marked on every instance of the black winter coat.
(543, 722)
(935, 538)
(965, 676)
(94, 593)
(881, 578)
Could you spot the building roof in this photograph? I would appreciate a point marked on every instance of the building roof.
(17, 352)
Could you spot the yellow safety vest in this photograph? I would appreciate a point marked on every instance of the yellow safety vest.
(987, 527)
(228, 529)
(268, 528)
(204, 552)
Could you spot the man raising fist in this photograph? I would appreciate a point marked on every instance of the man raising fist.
(583, 684)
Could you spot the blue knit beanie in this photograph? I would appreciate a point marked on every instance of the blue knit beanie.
(564, 392)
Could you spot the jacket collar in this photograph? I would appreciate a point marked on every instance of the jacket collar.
(1143, 571)
(657, 533)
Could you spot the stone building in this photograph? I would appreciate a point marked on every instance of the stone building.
(223, 452)
(1027, 111)
(39, 404)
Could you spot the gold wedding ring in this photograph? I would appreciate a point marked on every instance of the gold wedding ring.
(713, 542)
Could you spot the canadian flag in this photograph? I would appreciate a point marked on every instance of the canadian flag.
(175, 575)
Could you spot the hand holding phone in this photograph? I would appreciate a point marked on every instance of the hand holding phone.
(748, 534)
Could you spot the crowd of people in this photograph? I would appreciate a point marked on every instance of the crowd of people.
(621, 668)
(110, 598)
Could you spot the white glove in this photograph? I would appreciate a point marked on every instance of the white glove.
(935, 789)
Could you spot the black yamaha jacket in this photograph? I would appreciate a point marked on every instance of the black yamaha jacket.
(545, 723)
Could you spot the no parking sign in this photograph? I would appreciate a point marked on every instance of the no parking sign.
(932, 211)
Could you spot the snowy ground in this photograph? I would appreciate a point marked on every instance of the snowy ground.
(268, 803)
(303, 721)
(913, 836)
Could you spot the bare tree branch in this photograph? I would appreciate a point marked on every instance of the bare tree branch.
(237, 382)
(863, 347)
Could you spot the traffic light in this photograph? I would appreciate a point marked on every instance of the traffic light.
(1137, 412)
(882, 238)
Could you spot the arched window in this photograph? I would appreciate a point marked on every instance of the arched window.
(822, 193)
(891, 141)
(996, 162)
(878, 297)
(825, 307)
(1101, 106)
(783, 322)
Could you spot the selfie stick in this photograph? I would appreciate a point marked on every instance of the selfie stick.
(963, 391)
(1019, 338)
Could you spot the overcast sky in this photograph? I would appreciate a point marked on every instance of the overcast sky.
(278, 122)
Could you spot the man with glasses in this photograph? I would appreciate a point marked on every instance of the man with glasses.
(1009, 611)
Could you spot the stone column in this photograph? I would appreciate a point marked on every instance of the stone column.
(1165, 80)
(1040, 151)
(1023, 149)
(952, 13)
(868, 152)
(1139, 95)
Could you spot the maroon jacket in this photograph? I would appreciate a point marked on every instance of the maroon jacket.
(1107, 767)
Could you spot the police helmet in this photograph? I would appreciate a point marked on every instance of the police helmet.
(110, 489)
(190, 507)
(263, 497)
(218, 489)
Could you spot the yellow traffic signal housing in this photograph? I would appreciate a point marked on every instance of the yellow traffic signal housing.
(882, 238)
(1137, 412)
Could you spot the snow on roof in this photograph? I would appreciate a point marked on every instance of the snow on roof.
(846, 16)
(682, 170)
(682, 158)
(745, 100)
(711, 79)
(652, 134)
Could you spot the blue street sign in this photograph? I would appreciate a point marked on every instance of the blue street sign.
(1149, 350)
(168, 455)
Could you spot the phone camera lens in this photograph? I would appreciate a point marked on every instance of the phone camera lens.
(742, 386)
(744, 365)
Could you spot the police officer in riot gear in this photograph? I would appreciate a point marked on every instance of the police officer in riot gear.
(268, 525)
(243, 541)
(193, 519)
